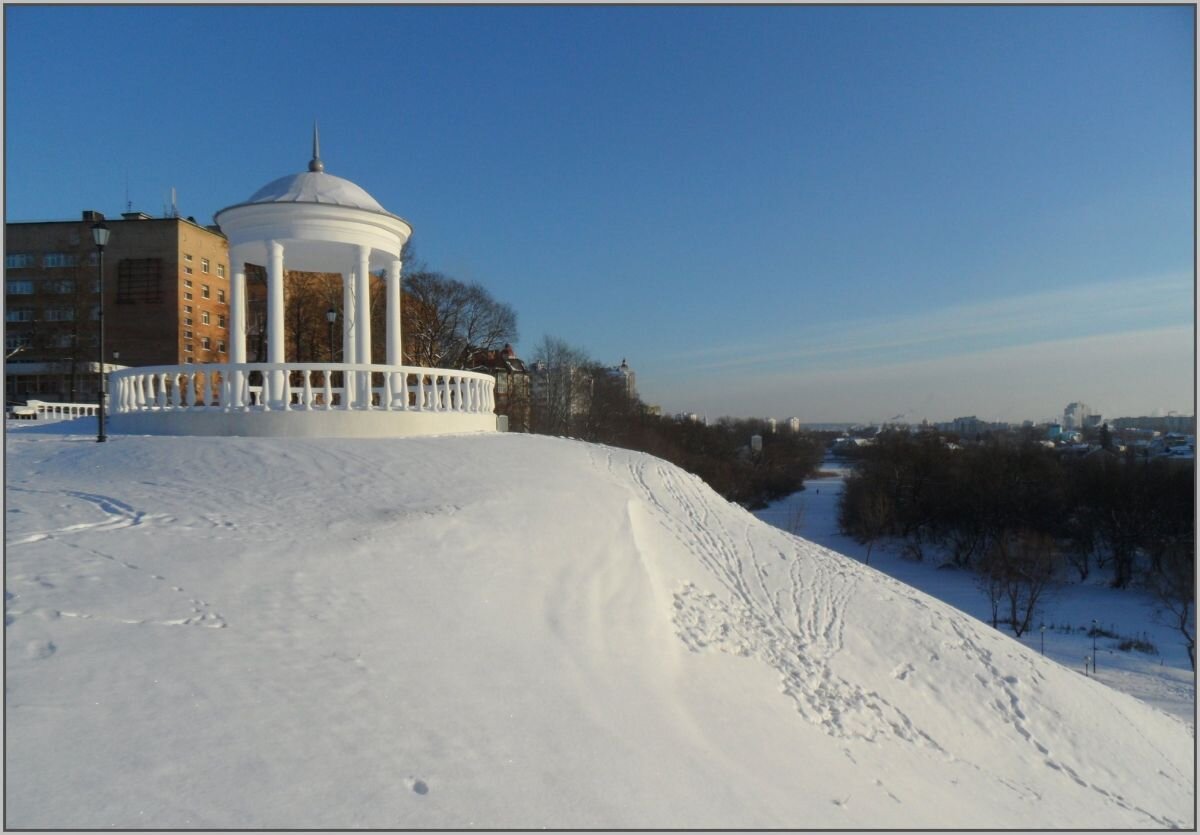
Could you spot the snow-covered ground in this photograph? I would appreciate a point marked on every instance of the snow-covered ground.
(1165, 679)
(513, 632)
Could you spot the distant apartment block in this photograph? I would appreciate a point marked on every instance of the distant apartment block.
(1180, 424)
(1079, 416)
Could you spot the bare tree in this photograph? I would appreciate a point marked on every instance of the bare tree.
(1018, 570)
(561, 386)
(1174, 587)
(874, 519)
(445, 318)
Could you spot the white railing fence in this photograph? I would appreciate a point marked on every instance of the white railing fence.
(42, 410)
(257, 387)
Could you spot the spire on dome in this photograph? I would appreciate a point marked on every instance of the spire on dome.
(315, 163)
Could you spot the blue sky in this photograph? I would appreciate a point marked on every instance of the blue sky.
(839, 213)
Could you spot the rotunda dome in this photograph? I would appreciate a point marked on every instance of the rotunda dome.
(316, 187)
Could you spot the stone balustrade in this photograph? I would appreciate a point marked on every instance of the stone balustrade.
(42, 410)
(445, 400)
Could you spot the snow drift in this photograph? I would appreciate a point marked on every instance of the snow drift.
(512, 632)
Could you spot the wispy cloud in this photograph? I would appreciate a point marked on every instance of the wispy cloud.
(1108, 308)
(1129, 373)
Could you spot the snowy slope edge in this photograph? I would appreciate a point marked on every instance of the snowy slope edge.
(509, 631)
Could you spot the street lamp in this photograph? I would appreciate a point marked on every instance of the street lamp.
(1043, 639)
(1093, 646)
(100, 234)
(331, 317)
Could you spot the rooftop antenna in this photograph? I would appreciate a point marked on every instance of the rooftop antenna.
(315, 163)
(128, 202)
(174, 207)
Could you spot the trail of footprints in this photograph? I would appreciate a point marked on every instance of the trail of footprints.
(118, 515)
(796, 629)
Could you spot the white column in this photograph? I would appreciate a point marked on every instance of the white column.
(348, 317)
(275, 317)
(237, 317)
(237, 327)
(348, 353)
(362, 323)
(395, 347)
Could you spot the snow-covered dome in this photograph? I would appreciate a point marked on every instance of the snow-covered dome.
(316, 187)
(323, 220)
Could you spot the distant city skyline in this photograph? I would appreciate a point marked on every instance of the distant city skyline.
(834, 212)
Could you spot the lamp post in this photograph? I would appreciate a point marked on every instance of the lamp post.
(100, 234)
(1093, 646)
(1043, 639)
(331, 317)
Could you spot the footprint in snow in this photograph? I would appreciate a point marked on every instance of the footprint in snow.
(37, 650)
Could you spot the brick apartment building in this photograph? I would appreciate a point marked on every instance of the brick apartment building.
(166, 301)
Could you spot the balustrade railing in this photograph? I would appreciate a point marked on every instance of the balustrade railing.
(256, 387)
(42, 410)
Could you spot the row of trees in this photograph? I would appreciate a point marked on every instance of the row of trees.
(1021, 515)
(578, 397)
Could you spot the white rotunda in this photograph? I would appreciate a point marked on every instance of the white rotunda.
(310, 222)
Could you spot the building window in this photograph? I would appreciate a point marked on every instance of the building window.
(205, 292)
(60, 314)
(203, 265)
(187, 308)
(187, 282)
(188, 322)
(220, 320)
(59, 259)
(13, 341)
(64, 340)
(187, 347)
(23, 314)
(221, 347)
(204, 320)
(139, 280)
(205, 343)
(187, 296)
(221, 270)
(187, 271)
(18, 259)
(19, 287)
(187, 257)
(64, 285)
(220, 295)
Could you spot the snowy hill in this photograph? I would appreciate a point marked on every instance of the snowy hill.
(508, 631)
